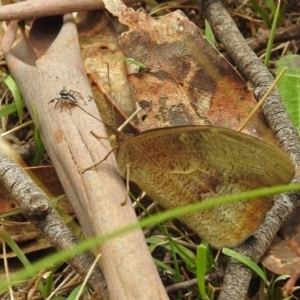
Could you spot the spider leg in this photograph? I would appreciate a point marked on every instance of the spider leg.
(65, 102)
(69, 106)
(77, 95)
(58, 100)
(53, 100)
(62, 105)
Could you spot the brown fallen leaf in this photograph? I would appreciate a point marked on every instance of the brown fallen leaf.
(283, 255)
(104, 62)
(187, 81)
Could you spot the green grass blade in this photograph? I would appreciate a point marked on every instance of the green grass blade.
(209, 34)
(272, 290)
(263, 14)
(176, 265)
(289, 86)
(28, 266)
(161, 217)
(201, 269)
(164, 266)
(74, 295)
(15, 248)
(8, 109)
(272, 35)
(16, 95)
(272, 6)
(248, 262)
(135, 62)
(38, 142)
(48, 284)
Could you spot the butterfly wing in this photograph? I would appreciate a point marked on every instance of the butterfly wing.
(177, 166)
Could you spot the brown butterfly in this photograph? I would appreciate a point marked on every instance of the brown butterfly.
(177, 166)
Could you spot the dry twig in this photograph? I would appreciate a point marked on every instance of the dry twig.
(33, 9)
(36, 207)
(238, 276)
(53, 59)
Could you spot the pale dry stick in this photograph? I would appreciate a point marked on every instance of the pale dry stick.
(6, 266)
(263, 99)
(17, 128)
(182, 285)
(36, 8)
(129, 119)
(96, 195)
(61, 282)
(137, 200)
(35, 286)
(88, 276)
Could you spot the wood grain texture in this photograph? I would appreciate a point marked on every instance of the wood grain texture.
(41, 72)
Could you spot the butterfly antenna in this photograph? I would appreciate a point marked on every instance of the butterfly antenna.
(101, 161)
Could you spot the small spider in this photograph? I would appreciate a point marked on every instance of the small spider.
(67, 98)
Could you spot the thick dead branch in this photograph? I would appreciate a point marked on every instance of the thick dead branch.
(237, 276)
(36, 207)
(283, 34)
(33, 9)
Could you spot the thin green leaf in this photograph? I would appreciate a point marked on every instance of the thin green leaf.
(248, 262)
(164, 266)
(263, 14)
(209, 34)
(271, 290)
(135, 62)
(16, 249)
(289, 86)
(17, 96)
(161, 217)
(74, 295)
(176, 264)
(272, 34)
(272, 6)
(186, 254)
(8, 109)
(201, 269)
(38, 142)
(49, 284)
(292, 75)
